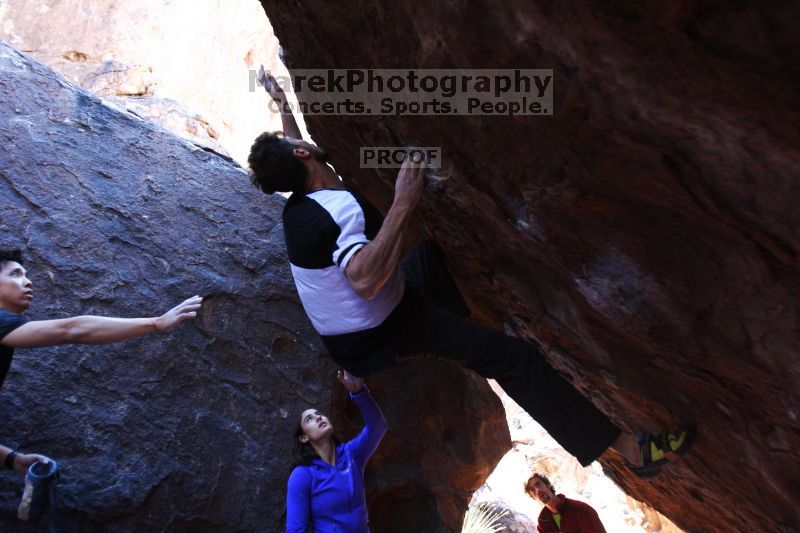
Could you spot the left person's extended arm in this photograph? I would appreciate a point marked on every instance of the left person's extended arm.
(89, 329)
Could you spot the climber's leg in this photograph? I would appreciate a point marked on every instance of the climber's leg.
(521, 371)
(425, 268)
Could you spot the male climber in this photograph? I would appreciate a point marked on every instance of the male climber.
(17, 331)
(371, 305)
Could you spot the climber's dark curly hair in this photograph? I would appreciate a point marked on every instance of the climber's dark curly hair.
(273, 168)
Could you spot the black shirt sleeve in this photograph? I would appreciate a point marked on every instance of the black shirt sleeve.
(8, 323)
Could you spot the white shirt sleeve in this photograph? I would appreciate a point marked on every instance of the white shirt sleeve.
(349, 217)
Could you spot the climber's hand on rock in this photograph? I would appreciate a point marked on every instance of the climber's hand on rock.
(410, 183)
(350, 382)
(270, 84)
(184, 311)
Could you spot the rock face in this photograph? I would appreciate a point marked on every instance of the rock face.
(189, 431)
(449, 435)
(148, 56)
(116, 216)
(645, 233)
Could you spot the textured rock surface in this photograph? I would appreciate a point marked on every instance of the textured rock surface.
(647, 232)
(139, 54)
(119, 217)
(191, 431)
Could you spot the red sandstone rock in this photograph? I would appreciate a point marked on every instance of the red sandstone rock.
(646, 232)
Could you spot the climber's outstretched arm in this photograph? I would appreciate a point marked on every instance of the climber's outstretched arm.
(290, 128)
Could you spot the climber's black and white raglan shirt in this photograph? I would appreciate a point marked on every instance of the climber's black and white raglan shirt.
(323, 230)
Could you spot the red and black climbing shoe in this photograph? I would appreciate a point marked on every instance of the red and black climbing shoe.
(660, 450)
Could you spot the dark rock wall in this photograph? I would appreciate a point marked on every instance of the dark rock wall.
(449, 432)
(189, 431)
(646, 233)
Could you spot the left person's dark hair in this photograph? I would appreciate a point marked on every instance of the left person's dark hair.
(7, 256)
(303, 451)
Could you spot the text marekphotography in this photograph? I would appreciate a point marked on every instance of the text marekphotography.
(419, 91)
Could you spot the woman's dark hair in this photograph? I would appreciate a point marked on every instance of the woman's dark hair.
(303, 451)
(272, 165)
(6, 256)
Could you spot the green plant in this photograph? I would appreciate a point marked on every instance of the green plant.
(483, 519)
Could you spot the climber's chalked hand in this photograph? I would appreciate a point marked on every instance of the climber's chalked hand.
(270, 84)
(410, 182)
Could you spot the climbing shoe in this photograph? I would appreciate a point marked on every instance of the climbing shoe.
(660, 450)
(39, 495)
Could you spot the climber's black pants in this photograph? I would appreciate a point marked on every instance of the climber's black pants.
(431, 319)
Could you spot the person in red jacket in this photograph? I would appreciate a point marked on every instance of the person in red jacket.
(561, 514)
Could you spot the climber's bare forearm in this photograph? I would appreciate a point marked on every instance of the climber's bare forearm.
(290, 128)
(279, 103)
(372, 266)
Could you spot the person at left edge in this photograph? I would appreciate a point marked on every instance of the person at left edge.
(17, 331)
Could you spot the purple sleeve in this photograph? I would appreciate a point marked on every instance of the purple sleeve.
(365, 444)
(298, 501)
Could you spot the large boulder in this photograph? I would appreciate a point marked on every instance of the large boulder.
(188, 431)
(117, 216)
(646, 232)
